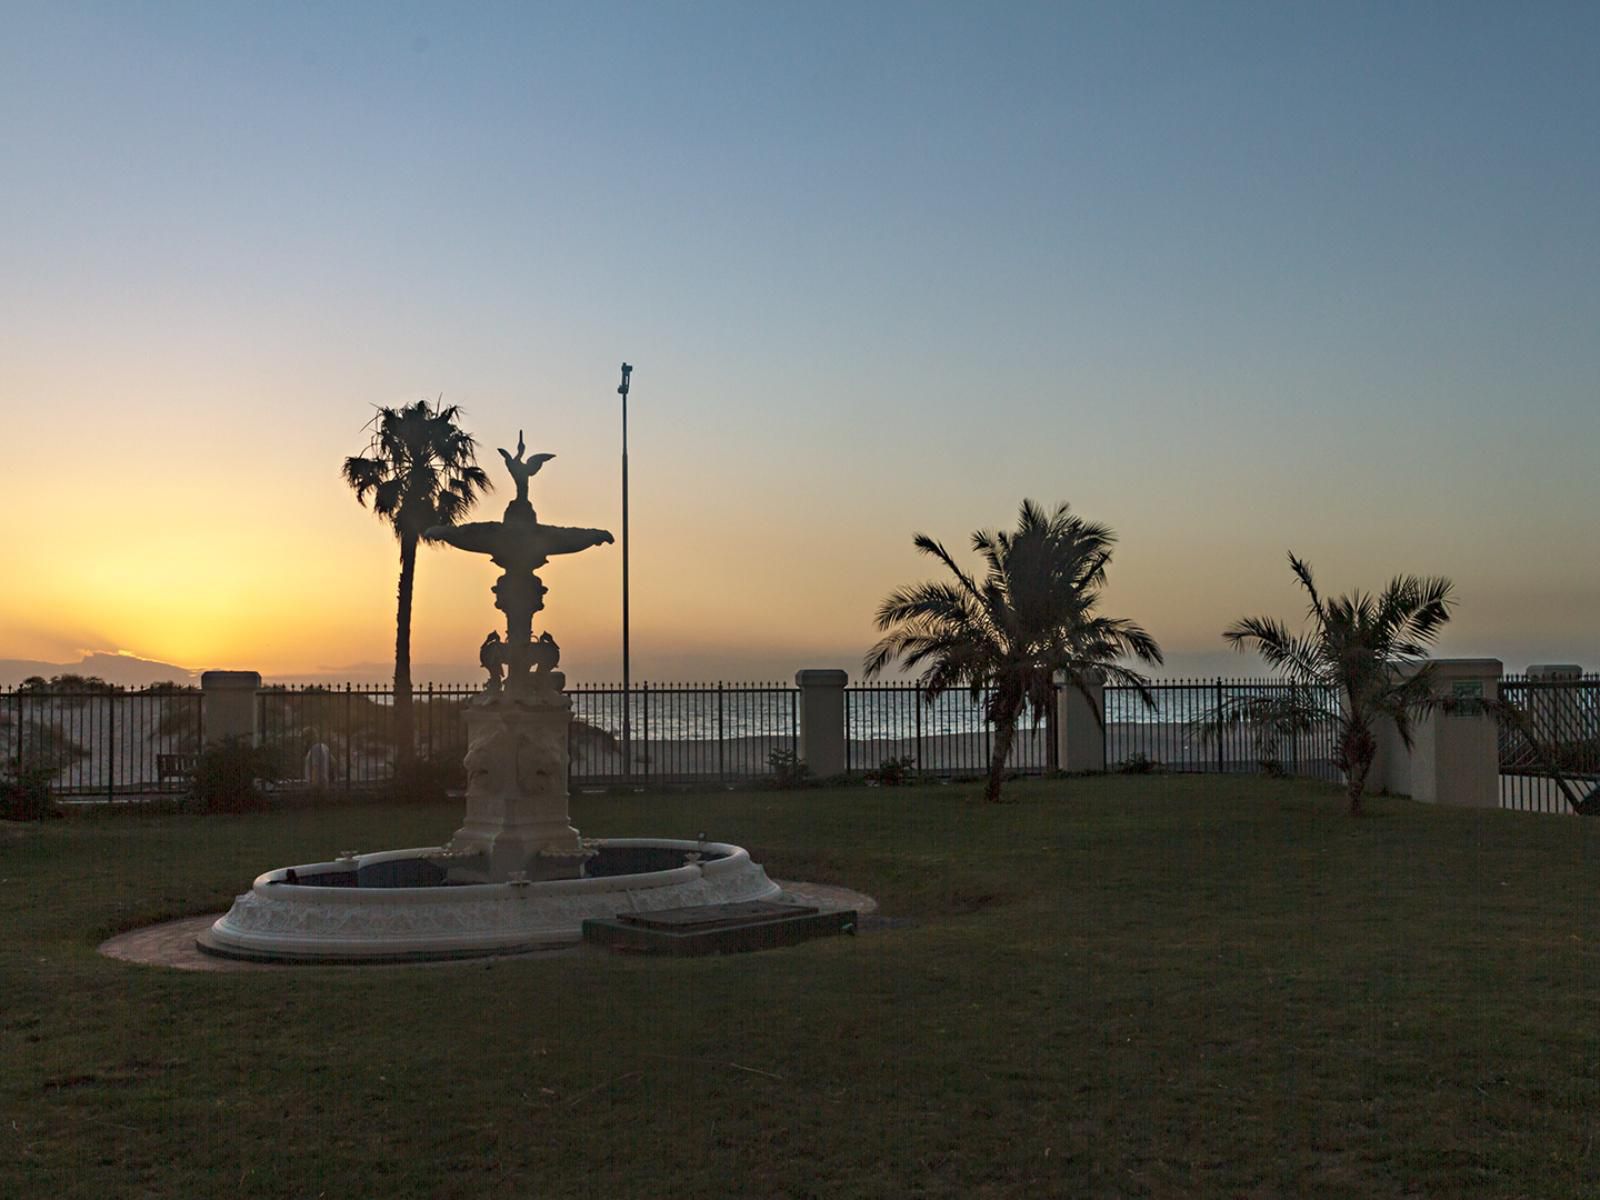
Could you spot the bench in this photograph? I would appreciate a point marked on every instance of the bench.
(175, 766)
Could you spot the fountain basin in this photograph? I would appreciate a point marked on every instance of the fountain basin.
(350, 909)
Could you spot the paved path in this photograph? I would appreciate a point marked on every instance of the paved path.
(171, 943)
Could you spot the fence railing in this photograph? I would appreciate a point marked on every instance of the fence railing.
(1563, 717)
(681, 733)
(101, 741)
(106, 741)
(357, 726)
(949, 737)
(110, 742)
(1223, 725)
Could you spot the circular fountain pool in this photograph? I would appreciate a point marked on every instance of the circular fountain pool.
(399, 904)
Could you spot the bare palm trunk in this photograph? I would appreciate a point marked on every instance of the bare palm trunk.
(1358, 750)
(1005, 731)
(402, 652)
(1355, 785)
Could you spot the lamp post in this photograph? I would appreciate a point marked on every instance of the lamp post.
(627, 680)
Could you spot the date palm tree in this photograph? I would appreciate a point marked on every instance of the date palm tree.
(1372, 649)
(419, 470)
(1030, 616)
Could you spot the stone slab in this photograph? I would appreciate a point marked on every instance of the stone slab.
(737, 937)
(716, 916)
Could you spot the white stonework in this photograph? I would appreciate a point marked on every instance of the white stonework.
(293, 921)
(517, 807)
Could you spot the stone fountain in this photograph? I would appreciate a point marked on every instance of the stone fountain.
(517, 875)
(517, 727)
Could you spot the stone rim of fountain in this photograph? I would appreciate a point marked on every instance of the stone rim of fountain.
(281, 921)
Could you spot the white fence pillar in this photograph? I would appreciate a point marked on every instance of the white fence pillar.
(1080, 736)
(228, 705)
(1455, 757)
(822, 732)
(1553, 710)
(1555, 672)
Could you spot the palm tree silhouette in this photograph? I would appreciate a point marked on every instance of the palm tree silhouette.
(1373, 649)
(420, 470)
(1032, 615)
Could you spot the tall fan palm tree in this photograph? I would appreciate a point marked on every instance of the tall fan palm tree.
(1372, 649)
(420, 470)
(1032, 615)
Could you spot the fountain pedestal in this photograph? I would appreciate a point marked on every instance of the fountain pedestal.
(517, 818)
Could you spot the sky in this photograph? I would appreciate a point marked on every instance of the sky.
(1235, 279)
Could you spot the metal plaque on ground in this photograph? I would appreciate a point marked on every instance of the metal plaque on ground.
(718, 928)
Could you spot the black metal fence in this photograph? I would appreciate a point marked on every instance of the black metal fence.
(99, 740)
(682, 733)
(711, 731)
(1223, 725)
(356, 726)
(107, 742)
(113, 743)
(1559, 730)
(891, 726)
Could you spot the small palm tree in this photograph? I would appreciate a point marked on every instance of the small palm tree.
(1032, 615)
(1268, 721)
(420, 470)
(1372, 649)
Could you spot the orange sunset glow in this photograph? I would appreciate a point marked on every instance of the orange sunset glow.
(1224, 348)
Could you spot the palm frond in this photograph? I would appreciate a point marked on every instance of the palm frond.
(363, 475)
(1302, 572)
(928, 545)
(419, 469)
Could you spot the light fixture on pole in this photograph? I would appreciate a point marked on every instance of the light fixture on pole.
(627, 679)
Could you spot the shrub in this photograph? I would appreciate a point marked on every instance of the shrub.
(278, 759)
(226, 774)
(1137, 764)
(893, 772)
(25, 793)
(429, 779)
(787, 770)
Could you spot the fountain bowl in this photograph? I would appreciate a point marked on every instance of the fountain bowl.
(398, 905)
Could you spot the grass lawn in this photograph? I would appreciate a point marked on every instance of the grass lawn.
(1129, 986)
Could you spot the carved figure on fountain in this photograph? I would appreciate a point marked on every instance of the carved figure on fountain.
(519, 544)
(491, 761)
(514, 752)
(516, 805)
(491, 657)
(519, 597)
(522, 471)
(545, 656)
(541, 765)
